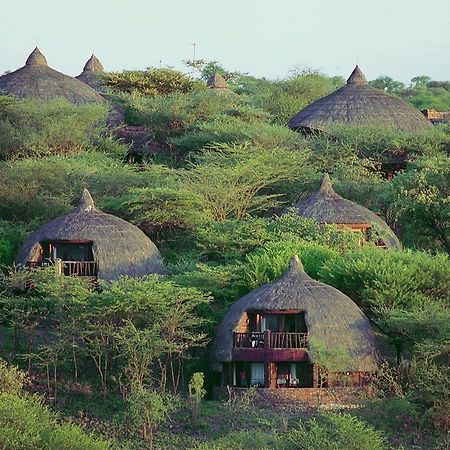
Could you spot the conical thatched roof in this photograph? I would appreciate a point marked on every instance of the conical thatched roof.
(325, 206)
(331, 317)
(36, 80)
(217, 81)
(90, 75)
(119, 247)
(358, 103)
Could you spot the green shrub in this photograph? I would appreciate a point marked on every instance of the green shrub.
(12, 236)
(388, 278)
(54, 182)
(27, 424)
(235, 130)
(243, 440)
(272, 260)
(35, 129)
(150, 82)
(12, 380)
(336, 432)
(420, 198)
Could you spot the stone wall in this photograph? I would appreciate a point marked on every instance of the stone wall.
(307, 396)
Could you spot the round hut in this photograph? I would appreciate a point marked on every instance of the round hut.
(357, 103)
(36, 80)
(217, 81)
(326, 206)
(91, 73)
(89, 242)
(268, 337)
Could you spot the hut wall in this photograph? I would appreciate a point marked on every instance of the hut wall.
(242, 326)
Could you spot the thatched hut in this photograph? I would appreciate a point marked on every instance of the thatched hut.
(326, 206)
(91, 73)
(89, 242)
(217, 81)
(36, 80)
(271, 336)
(357, 103)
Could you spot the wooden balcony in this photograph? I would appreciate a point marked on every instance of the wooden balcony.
(271, 340)
(70, 268)
(270, 346)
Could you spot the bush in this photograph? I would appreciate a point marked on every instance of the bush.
(150, 82)
(44, 195)
(27, 424)
(35, 129)
(229, 130)
(12, 379)
(388, 278)
(336, 432)
(11, 237)
(243, 440)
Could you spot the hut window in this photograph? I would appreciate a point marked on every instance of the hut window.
(270, 322)
(68, 251)
(257, 374)
(287, 322)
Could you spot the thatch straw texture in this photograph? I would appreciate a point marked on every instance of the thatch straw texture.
(357, 103)
(119, 247)
(217, 81)
(36, 80)
(90, 75)
(331, 317)
(326, 206)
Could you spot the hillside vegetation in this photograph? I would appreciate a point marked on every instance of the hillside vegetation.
(126, 366)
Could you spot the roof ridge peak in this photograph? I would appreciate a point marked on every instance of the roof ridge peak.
(86, 203)
(325, 185)
(36, 58)
(216, 80)
(357, 77)
(93, 64)
(296, 268)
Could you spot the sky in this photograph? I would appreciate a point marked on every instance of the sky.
(398, 38)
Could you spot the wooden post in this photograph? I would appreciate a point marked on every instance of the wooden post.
(59, 266)
(315, 376)
(267, 339)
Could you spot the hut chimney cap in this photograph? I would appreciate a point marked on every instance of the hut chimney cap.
(217, 81)
(357, 77)
(296, 266)
(93, 65)
(85, 203)
(36, 58)
(325, 185)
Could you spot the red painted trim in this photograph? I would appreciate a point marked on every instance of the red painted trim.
(269, 354)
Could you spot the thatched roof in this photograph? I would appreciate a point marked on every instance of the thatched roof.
(119, 247)
(325, 206)
(331, 316)
(217, 81)
(358, 103)
(90, 75)
(36, 80)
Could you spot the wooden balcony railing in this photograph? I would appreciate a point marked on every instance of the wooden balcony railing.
(270, 339)
(288, 340)
(75, 268)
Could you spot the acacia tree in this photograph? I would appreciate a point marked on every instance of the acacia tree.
(235, 180)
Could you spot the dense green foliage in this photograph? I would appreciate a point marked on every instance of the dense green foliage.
(30, 129)
(214, 202)
(423, 92)
(149, 82)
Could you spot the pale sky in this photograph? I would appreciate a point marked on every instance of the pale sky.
(399, 38)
